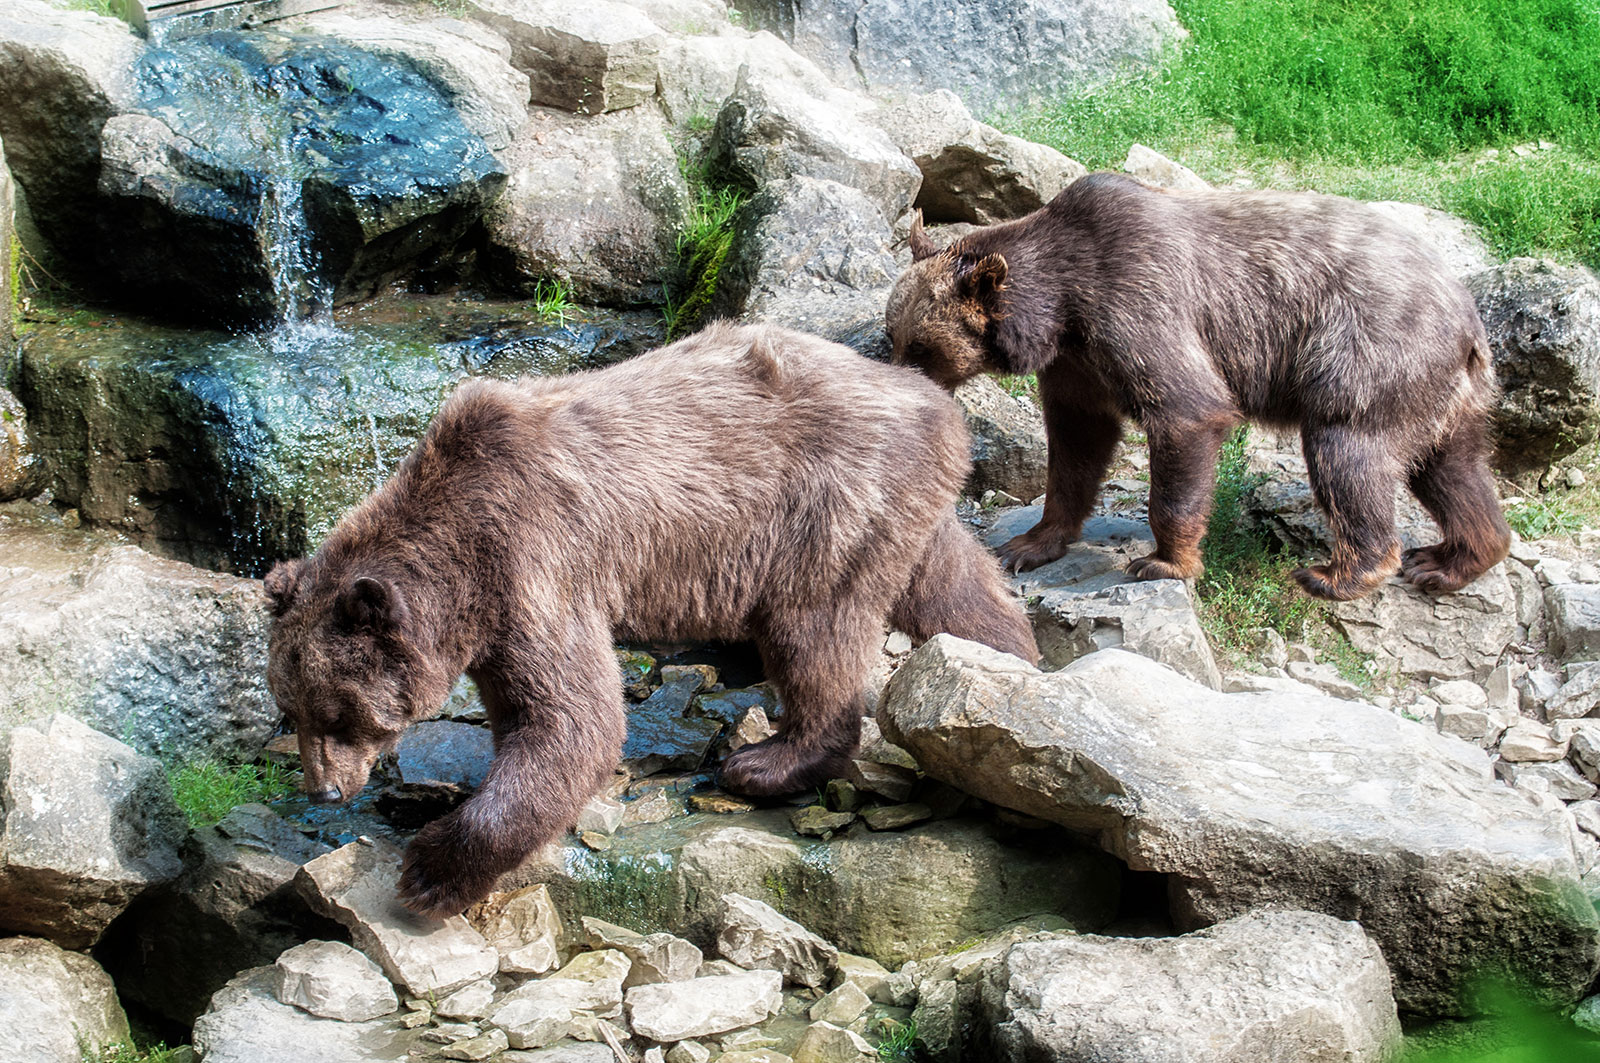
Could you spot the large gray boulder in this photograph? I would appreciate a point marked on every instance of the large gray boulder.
(55, 1006)
(589, 58)
(1266, 987)
(699, 73)
(992, 55)
(1543, 321)
(466, 61)
(768, 130)
(812, 255)
(246, 1023)
(171, 657)
(1267, 799)
(232, 908)
(1574, 611)
(86, 826)
(972, 172)
(596, 203)
(1008, 443)
(1449, 636)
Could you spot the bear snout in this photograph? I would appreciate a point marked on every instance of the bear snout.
(328, 796)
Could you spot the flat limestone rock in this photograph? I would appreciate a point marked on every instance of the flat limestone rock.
(1265, 799)
(524, 927)
(701, 1007)
(1280, 986)
(247, 1024)
(355, 886)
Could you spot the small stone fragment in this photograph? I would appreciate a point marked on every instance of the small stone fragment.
(1577, 697)
(841, 796)
(842, 1006)
(655, 807)
(688, 1052)
(1530, 741)
(751, 727)
(478, 1048)
(755, 935)
(471, 1001)
(701, 1007)
(725, 804)
(815, 821)
(524, 928)
(1460, 692)
(601, 815)
(889, 781)
(1559, 777)
(866, 973)
(826, 1043)
(331, 980)
(896, 817)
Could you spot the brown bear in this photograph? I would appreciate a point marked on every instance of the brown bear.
(1193, 311)
(746, 482)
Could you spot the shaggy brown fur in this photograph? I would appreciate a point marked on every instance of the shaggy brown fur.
(1193, 311)
(744, 482)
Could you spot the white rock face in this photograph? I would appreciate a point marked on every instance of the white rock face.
(1267, 799)
(701, 1007)
(1270, 987)
(592, 982)
(1574, 612)
(247, 1024)
(823, 1042)
(768, 130)
(1155, 169)
(86, 826)
(842, 1006)
(54, 1004)
(972, 172)
(331, 980)
(355, 887)
(524, 927)
(699, 73)
(591, 57)
(753, 934)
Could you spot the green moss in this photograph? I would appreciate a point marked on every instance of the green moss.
(636, 890)
(207, 791)
(897, 1041)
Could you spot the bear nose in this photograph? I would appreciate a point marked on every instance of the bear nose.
(325, 797)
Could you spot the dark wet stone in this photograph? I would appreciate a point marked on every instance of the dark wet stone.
(237, 451)
(660, 737)
(638, 668)
(443, 751)
(729, 705)
(815, 821)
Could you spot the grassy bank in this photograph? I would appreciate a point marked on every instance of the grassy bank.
(1490, 110)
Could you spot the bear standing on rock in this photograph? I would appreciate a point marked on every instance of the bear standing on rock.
(746, 482)
(1193, 311)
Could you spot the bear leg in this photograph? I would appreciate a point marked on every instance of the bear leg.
(1454, 484)
(818, 661)
(558, 719)
(1082, 430)
(1353, 479)
(956, 588)
(1183, 476)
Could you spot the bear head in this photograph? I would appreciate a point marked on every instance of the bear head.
(942, 311)
(344, 664)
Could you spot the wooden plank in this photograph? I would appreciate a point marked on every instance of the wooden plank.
(216, 14)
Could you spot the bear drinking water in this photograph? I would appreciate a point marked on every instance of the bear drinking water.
(742, 483)
(1190, 312)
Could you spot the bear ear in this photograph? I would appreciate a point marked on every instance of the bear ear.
(983, 278)
(921, 246)
(372, 605)
(281, 584)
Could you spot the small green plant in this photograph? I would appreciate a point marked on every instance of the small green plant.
(1543, 517)
(129, 1053)
(702, 248)
(206, 791)
(551, 301)
(774, 885)
(897, 1041)
(1020, 387)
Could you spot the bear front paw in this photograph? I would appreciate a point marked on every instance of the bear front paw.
(438, 879)
(776, 767)
(1040, 546)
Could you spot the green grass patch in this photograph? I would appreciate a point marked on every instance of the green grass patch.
(897, 1041)
(550, 302)
(156, 1052)
(1247, 586)
(702, 248)
(206, 791)
(1515, 1031)
(1377, 99)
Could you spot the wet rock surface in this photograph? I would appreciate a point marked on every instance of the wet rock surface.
(1274, 800)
